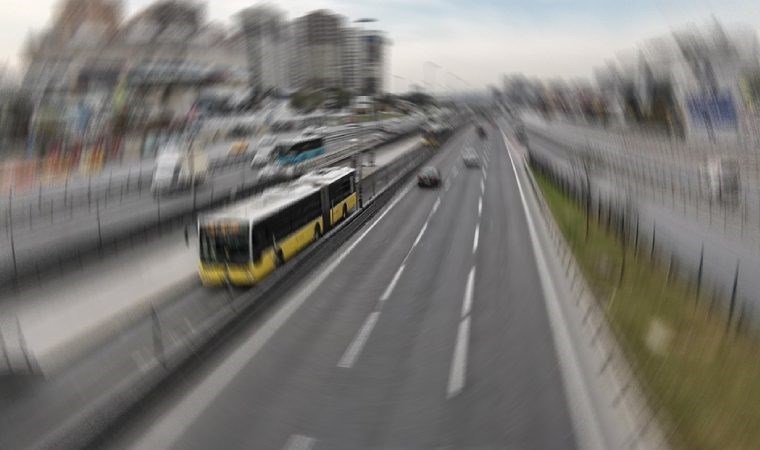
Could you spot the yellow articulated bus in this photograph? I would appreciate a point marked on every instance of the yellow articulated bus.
(245, 242)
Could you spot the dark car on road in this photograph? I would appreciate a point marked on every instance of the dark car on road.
(428, 177)
(470, 158)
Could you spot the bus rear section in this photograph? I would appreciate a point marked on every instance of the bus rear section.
(340, 198)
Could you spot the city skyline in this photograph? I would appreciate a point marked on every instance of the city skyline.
(477, 42)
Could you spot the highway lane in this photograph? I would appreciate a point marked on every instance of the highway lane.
(427, 330)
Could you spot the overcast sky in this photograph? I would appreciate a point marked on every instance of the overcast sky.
(477, 40)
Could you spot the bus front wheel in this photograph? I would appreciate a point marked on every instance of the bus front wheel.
(317, 232)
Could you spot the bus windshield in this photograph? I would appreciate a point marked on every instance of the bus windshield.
(225, 244)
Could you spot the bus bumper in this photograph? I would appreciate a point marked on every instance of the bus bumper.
(212, 277)
(215, 277)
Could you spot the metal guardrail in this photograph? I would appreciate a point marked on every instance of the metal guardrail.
(620, 213)
(667, 183)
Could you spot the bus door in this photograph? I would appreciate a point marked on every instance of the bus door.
(324, 195)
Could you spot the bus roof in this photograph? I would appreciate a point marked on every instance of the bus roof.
(325, 175)
(262, 205)
(274, 199)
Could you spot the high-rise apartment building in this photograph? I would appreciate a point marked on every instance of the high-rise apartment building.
(268, 44)
(314, 51)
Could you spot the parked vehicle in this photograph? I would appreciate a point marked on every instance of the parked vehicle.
(263, 151)
(179, 167)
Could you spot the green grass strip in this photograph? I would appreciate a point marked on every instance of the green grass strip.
(703, 379)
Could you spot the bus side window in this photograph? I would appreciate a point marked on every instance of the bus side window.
(258, 242)
(341, 189)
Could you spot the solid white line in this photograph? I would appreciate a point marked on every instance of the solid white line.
(459, 362)
(392, 285)
(480, 206)
(468, 293)
(482, 187)
(485, 175)
(353, 350)
(419, 235)
(299, 442)
(435, 206)
(475, 238)
(172, 425)
(585, 421)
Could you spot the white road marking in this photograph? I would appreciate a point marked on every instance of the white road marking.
(299, 442)
(172, 425)
(459, 363)
(482, 187)
(435, 206)
(480, 206)
(389, 290)
(353, 350)
(485, 175)
(419, 235)
(447, 185)
(468, 293)
(475, 238)
(585, 421)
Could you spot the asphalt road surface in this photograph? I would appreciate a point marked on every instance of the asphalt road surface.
(426, 330)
